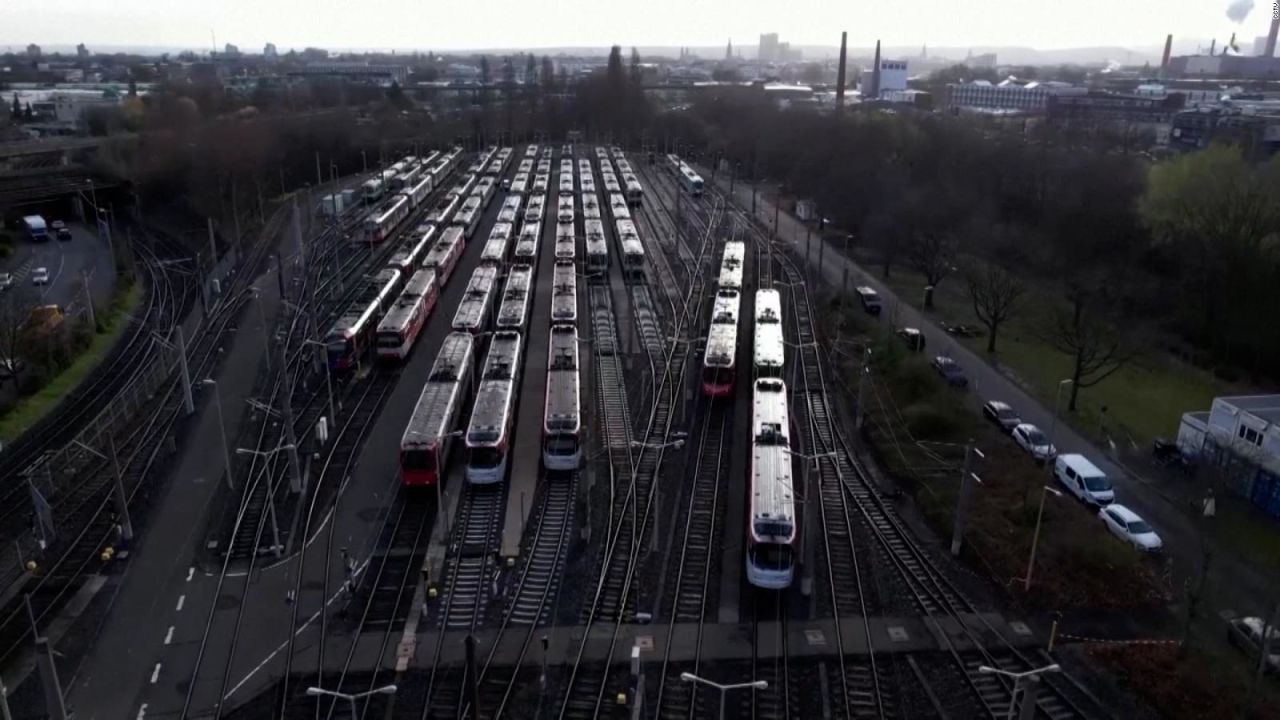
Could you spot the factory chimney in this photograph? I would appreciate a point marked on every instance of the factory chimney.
(1164, 59)
(875, 74)
(1270, 50)
(1213, 45)
(844, 38)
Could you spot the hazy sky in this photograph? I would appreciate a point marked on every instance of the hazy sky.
(424, 24)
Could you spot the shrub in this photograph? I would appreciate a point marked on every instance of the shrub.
(927, 421)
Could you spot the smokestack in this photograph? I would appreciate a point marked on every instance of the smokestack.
(1270, 50)
(1213, 45)
(875, 74)
(844, 37)
(1168, 48)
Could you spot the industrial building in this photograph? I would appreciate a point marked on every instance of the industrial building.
(1008, 96)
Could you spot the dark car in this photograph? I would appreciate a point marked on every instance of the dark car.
(962, 330)
(1002, 415)
(60, 230)
(870, 300)
(950, 371)
(913, 338)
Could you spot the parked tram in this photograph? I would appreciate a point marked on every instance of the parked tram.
(531, 151)
(510, 211)
(587, 183)
(771, 523)
(719, 360)
(468, 215)
(590, 207)
(429, 436)
(520, 183)
(731, 268)
(412, 250)
(564, 293)
(489, 432)
(534, 209)
(634, 191)
(497, 247)
(769, 352)
(565, 184)
(565, 209)
(352, 335)
(443, 257)
(442, 210)
(400, 327)
(472, 314)
(618, 207)
(514, 310)
(541, 182)
(597, 246)
(561, 417)
(383, 221)
(566, 243)
(527, 244)
(611, 184)
(463, 187)
(690, 181)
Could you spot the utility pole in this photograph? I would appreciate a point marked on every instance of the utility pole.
(213, 246)
(861, 413)
(473, 688)
(962, 501)
(48, 671)
(188, 403)
(295, 466)
(122, 500)
(88, 299)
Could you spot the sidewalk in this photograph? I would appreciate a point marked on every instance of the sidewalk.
(1233, 586)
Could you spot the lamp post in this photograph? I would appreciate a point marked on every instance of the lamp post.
(806, 580)
(724, 689)
(351, 698)
(1035, 538)
(1053, 426)
(1024, 707)
(222, 429)
(276, 547)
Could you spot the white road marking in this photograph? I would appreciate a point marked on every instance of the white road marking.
(168, 637)
(142, 711)
(181, 600)
(191, 571)
(155, 674)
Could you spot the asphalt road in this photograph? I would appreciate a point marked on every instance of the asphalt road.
(68, 262)
(1234, 587)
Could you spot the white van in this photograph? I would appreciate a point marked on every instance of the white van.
(1083, 479)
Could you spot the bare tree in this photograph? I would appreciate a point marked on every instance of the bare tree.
(995, 293)
(15, 309)
(932, 253)
(1097, 348)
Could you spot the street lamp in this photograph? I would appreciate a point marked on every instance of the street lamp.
(1035, 538)
(724, 689)
(1027, 682)
(1053, 426)
(385, 690)
(222, 429)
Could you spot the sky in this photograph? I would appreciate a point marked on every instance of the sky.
(433, 25)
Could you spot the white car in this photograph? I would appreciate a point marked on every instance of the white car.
(1133, 530)
(1030, 438)
(5, 280)
(40, 276)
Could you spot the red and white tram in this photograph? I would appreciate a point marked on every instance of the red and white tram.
(353, 333)
(443, 258)
(383, 221)
(564, 293)
(561, 418)
(719, 360)
(515, 298)
(412, 250)
(498, 246)
(473, 310)
(403, 322)
(731, 268)
(429, 436)
(769, 349)
(771, 523)
(489, 432)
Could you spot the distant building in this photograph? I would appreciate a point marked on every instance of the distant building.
(1260, 45)
(1007, 96)
(893, 75)
(33, 51)
(82, 52)
(985, 60)
(377, 73)
(231, 51)
(1258, 134)
(269, 52)
(1225, 67)
(768, 51)
(920, 99)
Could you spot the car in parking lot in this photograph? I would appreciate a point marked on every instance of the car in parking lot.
(1002, 414)
(1030, 438)
(1131, 529)
(1245, 633)
(950, 371)
(6, 280)
(912, 337)
(40, 276)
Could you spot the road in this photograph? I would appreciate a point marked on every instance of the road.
(1234, 587)
(67, 262)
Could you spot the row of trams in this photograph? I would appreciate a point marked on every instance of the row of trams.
(390, 310)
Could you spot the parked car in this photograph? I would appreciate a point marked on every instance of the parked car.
(962, 330)
(1002, 414)
(1030, 438)
(1168, 454)
(1133, 530)
(1083, 479)
(40, 276)
(950, 371)
(5, 280)
(870, 299)
(1246, 634)
(506, 184)
(913, 338)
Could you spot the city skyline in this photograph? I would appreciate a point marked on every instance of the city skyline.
(397, 24)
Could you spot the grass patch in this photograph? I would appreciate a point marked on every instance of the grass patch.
(1200, 686)
(1144, 400)
(30, 409)
(917, 427)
